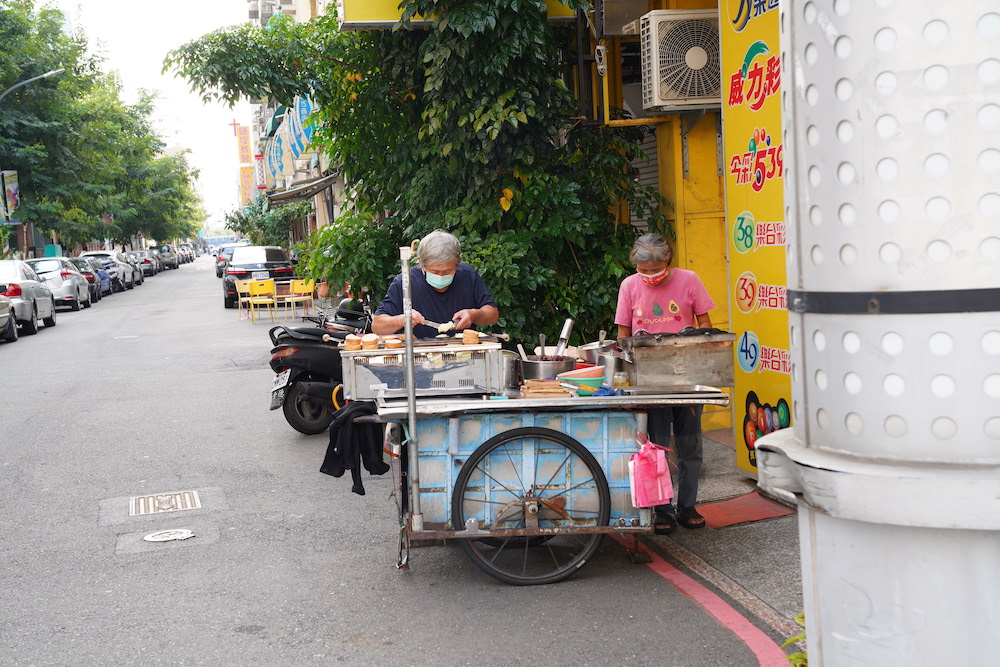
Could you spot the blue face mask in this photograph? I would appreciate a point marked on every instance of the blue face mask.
(438, 282)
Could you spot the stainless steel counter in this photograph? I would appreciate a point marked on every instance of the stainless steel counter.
(390, 410)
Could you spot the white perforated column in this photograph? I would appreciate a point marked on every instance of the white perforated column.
(892, 143)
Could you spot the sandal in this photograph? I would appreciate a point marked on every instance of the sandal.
(664, 524)
(689, 518)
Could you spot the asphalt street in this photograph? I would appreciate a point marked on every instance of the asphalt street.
(161, 390)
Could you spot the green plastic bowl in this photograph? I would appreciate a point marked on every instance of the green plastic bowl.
(592, 383)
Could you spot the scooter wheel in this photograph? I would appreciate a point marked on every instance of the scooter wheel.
(304, 416)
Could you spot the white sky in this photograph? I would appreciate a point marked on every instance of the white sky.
(134, 37)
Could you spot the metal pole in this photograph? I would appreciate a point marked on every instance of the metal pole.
(891, 128)
(34, 78)
(416, 518)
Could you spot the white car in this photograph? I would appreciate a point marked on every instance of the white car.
(68, 285)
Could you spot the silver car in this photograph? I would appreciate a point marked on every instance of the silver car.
(31, 297)
(8, 326)
(117, 264)
(69, 286)
(168, 255)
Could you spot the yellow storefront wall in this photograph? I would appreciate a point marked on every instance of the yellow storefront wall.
(360, 14)
(753, 159)
(697, 215)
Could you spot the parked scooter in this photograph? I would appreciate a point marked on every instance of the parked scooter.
(308, 385)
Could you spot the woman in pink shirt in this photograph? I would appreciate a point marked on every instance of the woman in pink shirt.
(659, 298)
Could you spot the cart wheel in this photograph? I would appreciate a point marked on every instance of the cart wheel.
(529, 478)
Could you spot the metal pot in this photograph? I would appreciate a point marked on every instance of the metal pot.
(591, 352)
(510, 372)
(533, 369)
(610, 362)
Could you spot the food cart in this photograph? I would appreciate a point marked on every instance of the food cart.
(529, 487)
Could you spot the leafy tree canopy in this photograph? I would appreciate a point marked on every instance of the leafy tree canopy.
(89, 165)
(266, 224)
(466, 126)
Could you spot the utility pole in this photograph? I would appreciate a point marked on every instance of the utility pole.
(892, 125)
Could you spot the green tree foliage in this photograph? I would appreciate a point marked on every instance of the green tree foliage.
(466, 126)
(89, 165)
(266, 224)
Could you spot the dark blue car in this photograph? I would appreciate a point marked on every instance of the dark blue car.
(97, 277)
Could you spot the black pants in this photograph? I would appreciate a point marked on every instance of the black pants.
(686, 420)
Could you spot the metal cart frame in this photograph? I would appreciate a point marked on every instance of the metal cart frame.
(529, 487)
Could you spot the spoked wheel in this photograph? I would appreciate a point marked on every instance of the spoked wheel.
(532, 478)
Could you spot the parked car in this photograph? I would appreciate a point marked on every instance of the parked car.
(8, 325)
(138, 277)
(155, 254)
(98, 279)
(30, 296)
(186, 253)
(192, 249)
(68, 285)
(223, 256)
(168, 255)
(145, 261)
(122, 271)
(254, 262)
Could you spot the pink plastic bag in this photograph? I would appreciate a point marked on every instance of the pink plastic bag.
(649, 474)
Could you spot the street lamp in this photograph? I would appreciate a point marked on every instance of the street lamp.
(34, 78)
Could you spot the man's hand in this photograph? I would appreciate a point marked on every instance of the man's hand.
(469, 317)
(384, 325)
(463, 319)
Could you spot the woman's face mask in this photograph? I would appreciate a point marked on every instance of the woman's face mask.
(652, 279)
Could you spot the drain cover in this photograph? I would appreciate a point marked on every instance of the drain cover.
(164, 502)
(169, 535)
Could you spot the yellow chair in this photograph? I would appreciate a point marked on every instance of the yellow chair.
(243, 298)
(300, 291)
(262, 294)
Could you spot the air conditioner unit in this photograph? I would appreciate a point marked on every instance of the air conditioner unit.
(681, 67)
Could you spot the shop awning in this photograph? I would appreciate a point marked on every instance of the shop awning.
(303, 190)
(276, 118)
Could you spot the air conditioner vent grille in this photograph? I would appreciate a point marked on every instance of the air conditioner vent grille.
(681, 60)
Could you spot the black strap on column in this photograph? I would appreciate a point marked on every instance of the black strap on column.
(895, 303)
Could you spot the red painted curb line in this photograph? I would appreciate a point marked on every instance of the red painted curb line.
(768, 653)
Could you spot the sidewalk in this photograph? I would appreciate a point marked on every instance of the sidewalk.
(755, 565)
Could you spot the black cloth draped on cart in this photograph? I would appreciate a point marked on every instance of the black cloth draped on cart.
(352, 445)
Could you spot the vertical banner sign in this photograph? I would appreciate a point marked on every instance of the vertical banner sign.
(246, 184)
(258, 169)
(247, 193)
(754, 163)
(11, 198)
(11, 194)
(243, 145)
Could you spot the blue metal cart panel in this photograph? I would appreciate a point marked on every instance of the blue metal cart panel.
(444, 443)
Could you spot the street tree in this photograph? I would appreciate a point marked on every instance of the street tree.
(466, 126)
(89, 165)
(267, 224)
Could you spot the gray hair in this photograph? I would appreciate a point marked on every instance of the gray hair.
(439, 246)
(651, 249)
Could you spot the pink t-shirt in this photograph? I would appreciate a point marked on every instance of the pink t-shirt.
(665, 308)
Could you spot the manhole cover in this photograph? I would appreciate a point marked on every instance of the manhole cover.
(164, 502)
(169, 535)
